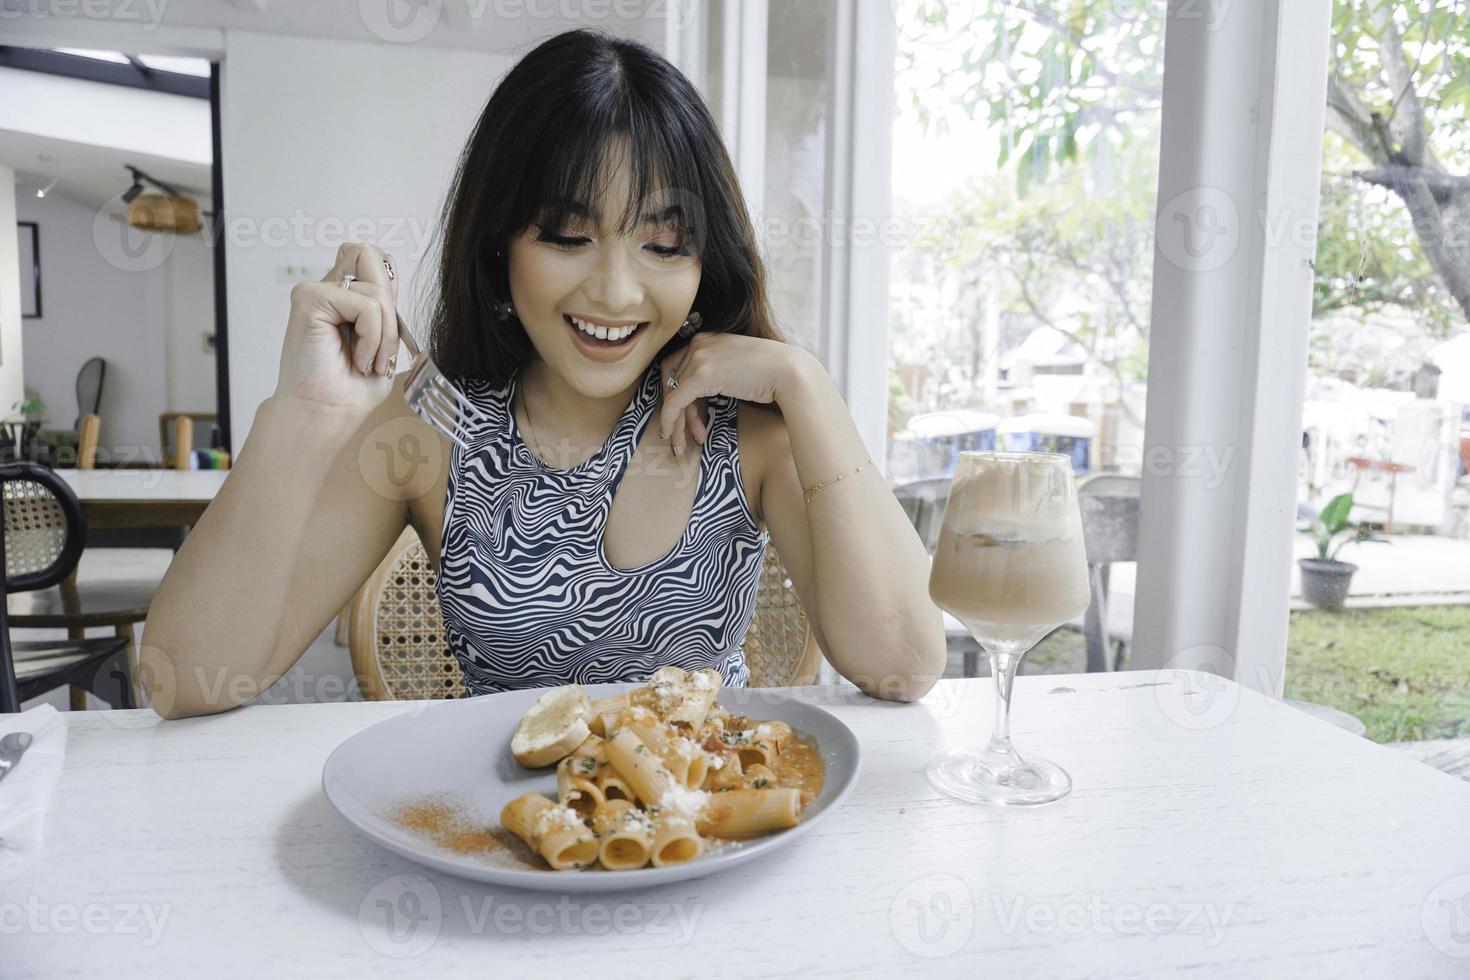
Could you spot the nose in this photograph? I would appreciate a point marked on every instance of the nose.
(614, 284)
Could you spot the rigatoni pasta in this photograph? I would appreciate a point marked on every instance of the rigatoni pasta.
(625, 834)
(663, 771)
(555, 832)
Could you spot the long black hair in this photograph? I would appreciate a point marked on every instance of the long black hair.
(542, 142)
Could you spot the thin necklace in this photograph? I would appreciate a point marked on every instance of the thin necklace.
(537, 450)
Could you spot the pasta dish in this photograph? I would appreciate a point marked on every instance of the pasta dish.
(655, 775)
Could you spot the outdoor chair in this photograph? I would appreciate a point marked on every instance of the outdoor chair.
(1109, 506)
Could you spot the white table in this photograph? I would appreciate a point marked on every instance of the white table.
(1223, 836)
(143, 497)
(145, 484)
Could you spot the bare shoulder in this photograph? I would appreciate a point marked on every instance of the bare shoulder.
(764, 443)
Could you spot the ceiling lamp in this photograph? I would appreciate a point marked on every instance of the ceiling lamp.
(48, 158)
(170, 211)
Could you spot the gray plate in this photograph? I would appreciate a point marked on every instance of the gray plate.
(462, 748)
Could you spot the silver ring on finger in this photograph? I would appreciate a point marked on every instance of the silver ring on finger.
(389, 267)
(347, 280)
(391, 366)
(673, 382)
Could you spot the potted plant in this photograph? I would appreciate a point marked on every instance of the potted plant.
(1325, 580)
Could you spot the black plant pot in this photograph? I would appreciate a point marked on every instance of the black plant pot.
(1325, 583)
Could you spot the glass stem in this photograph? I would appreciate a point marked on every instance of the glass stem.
(1004, 660)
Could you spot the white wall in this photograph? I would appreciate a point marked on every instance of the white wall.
(12, 389)
(323, 140)
(146, 323)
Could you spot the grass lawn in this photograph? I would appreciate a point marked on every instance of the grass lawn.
(1405, 672)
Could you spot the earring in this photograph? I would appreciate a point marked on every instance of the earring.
(690, 326)
(504, 311)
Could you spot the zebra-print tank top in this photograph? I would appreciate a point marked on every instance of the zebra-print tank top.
(528, 596)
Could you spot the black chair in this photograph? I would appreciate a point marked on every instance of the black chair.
(89, 389)
(44, 531)
(61, 446)
(17, 439)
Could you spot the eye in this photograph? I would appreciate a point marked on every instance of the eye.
(679, 247)
(560, 241)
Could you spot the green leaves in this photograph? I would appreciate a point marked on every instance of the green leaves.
(1334, 516)
(1334, 522)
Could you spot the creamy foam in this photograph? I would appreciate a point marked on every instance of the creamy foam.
(1014, 500)
(1010, 562)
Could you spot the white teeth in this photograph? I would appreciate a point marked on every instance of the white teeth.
(601, 332)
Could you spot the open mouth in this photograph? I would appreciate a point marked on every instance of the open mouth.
(600, 337)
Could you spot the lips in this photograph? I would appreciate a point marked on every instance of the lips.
(598, 349)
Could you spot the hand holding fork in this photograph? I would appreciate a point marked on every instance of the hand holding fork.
(342, 345)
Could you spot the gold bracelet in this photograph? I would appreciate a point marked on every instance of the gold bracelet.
(809, 492)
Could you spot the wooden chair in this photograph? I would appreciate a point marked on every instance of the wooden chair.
(75, 607)
(44, 529)
(397, 638)
(90, 429)
(176, 437)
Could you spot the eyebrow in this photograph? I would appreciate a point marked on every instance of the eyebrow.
(583, 210)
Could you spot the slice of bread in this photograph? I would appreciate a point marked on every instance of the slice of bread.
(553, 728)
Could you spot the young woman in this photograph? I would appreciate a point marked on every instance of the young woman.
(640, 429)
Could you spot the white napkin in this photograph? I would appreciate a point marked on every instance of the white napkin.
(25, 792)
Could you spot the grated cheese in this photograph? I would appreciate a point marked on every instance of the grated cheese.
(556, 818)
(681, 801)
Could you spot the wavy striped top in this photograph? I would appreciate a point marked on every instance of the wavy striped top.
(528, 595)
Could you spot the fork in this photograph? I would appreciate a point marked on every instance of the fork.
(12, 747)
(432, 396)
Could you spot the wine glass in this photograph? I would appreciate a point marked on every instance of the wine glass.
(1010, 565)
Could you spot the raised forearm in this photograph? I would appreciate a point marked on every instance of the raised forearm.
(213, 623)
(871, 573)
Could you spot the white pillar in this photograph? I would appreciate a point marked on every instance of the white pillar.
(12, 378)
(1243, 114)
(859, 187)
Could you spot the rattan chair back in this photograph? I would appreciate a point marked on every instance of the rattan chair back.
(779, 647)
(44, 527)
(397, 638)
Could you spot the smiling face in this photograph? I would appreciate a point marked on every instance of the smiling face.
(599, 305)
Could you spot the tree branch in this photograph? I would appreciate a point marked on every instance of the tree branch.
(1351, 120)
(1406, 113)
(1399, 178)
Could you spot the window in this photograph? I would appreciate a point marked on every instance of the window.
(1025, 170)
(1388, 378)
